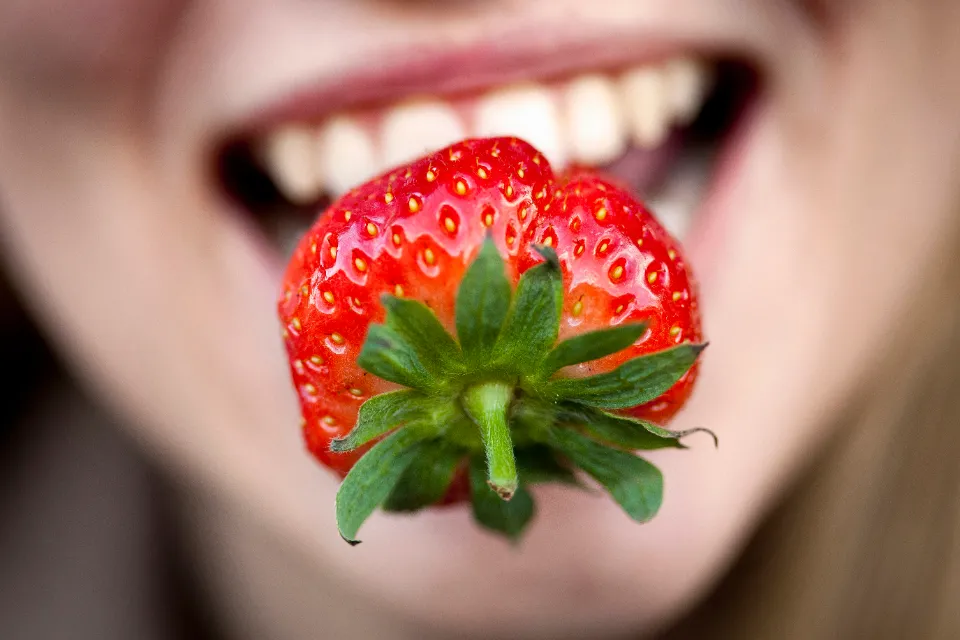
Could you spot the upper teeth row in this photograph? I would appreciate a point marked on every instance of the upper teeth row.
(589, 119)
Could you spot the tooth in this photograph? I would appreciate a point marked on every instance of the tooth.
(687, 81)
(415, 128)
(644, 98)
(345, 154)
(288, 156)
(528, 112)
(595, 124)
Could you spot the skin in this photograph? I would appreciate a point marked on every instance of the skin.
(161, 297)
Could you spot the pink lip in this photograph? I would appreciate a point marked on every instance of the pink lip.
(463, 68)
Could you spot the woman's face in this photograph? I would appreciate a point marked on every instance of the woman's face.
(825, 205)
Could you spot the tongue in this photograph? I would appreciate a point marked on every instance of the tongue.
(642, 170)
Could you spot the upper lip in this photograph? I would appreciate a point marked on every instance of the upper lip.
(391, 74)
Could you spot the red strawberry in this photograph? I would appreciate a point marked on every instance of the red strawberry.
(548, 285)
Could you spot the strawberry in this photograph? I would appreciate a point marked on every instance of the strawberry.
(469, 325)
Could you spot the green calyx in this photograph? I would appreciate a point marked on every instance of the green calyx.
(490, 404)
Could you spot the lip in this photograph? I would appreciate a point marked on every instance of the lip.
(398, 73)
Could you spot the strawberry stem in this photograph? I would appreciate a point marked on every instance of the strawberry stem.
(487, 405)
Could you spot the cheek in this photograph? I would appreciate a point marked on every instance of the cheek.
(165, 304)
(882, 195)
(839, 216)
(67, 44)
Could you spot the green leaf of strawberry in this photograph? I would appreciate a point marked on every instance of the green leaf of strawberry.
(532, 323)
(591, 346)
(540, 464)
(622, 431)
(634, 483)
(482, 304)
(379, 415)
(518, 311)
(373, 478)
(416, 325)
(632, 383)
(508, 518)
(388, 355)
(427, 478)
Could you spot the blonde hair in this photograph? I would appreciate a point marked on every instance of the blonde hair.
(867, 543)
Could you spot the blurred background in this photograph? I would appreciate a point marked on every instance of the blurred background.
(88, 545)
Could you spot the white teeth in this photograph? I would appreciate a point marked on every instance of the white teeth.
(687, 82)
(345, 154)
(526, 111)
(595, 124)
(415, 128)
(589, 120)
(288, 152)
(644, 99)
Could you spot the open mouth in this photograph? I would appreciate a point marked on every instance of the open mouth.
(658, 128)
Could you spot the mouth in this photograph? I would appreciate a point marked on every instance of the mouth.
(659, 127)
